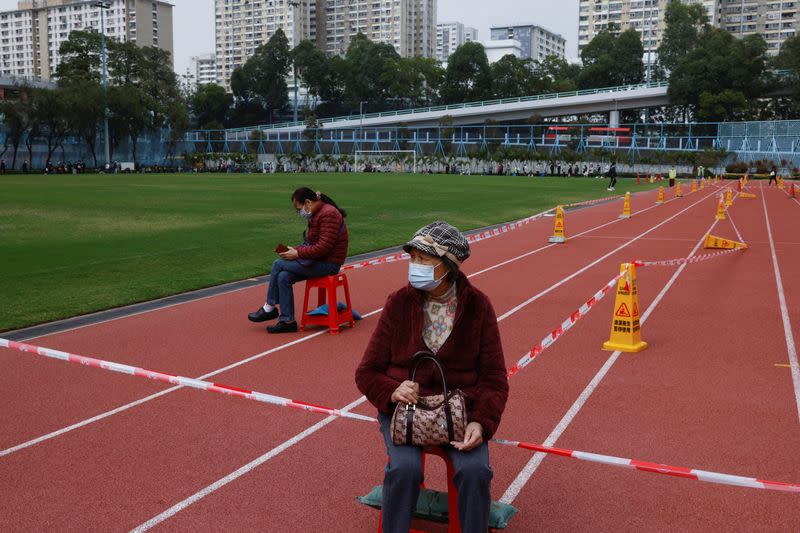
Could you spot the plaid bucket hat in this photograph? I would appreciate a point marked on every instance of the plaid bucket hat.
(440, 239)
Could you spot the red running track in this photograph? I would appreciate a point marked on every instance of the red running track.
(706, 394)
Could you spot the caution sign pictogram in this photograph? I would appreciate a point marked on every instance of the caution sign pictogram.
(626, 335)
(623, 311)
(718, 243)
(559, 233)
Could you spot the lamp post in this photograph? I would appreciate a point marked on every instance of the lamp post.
(104, 58)
(294, 5)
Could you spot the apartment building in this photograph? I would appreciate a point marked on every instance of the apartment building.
(451, 35)
(408, 25)
(536, 42)
(31, 35)
(243, 25)
(204, 69)
(774, 20)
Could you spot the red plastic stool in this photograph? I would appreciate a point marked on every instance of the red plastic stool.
(453, 525)
(326, 292)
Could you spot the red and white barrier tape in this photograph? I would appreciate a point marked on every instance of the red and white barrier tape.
(657, 468)
(682, 260)
(643, 466)
(475, 237)
(180, 380)
(565, 326)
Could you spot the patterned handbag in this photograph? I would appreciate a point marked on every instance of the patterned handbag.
(434, 420)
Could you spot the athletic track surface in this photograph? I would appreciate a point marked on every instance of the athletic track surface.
(82, 449)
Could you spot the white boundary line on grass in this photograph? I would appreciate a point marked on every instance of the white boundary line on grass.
(122, 408)
(787, 325)
(172, 511)
(533, 464)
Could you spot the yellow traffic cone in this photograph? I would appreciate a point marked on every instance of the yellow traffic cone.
(559, 233)
(626, 335)
(626, 207)
(660, 196)
(702, 184)
(721, 209)
(694, 185)
(729, 198)
(718, 243)
(678, 190)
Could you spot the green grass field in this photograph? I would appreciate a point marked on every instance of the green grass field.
(75, 244)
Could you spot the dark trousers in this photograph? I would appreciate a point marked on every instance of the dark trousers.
(771, 179)
(284, 274)
(612, 182)
(403, 476)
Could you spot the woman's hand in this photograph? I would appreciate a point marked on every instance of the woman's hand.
(407, 392)
(473, 437)
(290, 254)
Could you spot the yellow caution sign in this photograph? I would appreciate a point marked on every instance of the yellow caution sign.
(780, 182)
(747, 195)
(746, 179)
(560, 232)
(721, 209)
(678, 190)
(702, 184)
(660, 195)
(729, 198)
(694, 185)
(626, 335)
(718, 243)
(626, 207)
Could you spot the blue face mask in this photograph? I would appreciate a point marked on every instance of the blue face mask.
(422, 277)
(304, 214)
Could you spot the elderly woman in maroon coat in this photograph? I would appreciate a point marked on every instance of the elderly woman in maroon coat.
(441, 312)
(322, 253)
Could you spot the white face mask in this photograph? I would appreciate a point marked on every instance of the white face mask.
(423, 277)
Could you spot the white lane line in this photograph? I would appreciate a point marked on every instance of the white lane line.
(532, 252)
(787, 326)
(533, 464)
(112, 412)
(197, 496)
(606, 256)
(141, 401)
(261, 460)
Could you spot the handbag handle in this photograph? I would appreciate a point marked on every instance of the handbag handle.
(420, 357)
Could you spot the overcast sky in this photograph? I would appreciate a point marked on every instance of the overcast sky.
(194, 21)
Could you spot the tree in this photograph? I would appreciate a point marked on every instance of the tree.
(610, 60)
(468, 76)
(49, 111)
(514, 77)
(84, 104)
(80, 57)
(263, 77)
(720, 107)
(129, 115)
(558, 74)
(370, 70)
(684, 25)
(719, 62)
(17, 120)
(417, 81)
(211, 103)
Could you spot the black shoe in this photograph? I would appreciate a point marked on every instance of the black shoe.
(262, 316)
(283, 327)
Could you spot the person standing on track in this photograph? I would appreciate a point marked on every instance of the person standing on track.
(441, 312)
(612, 175)
(322, 253)
(773, 175)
